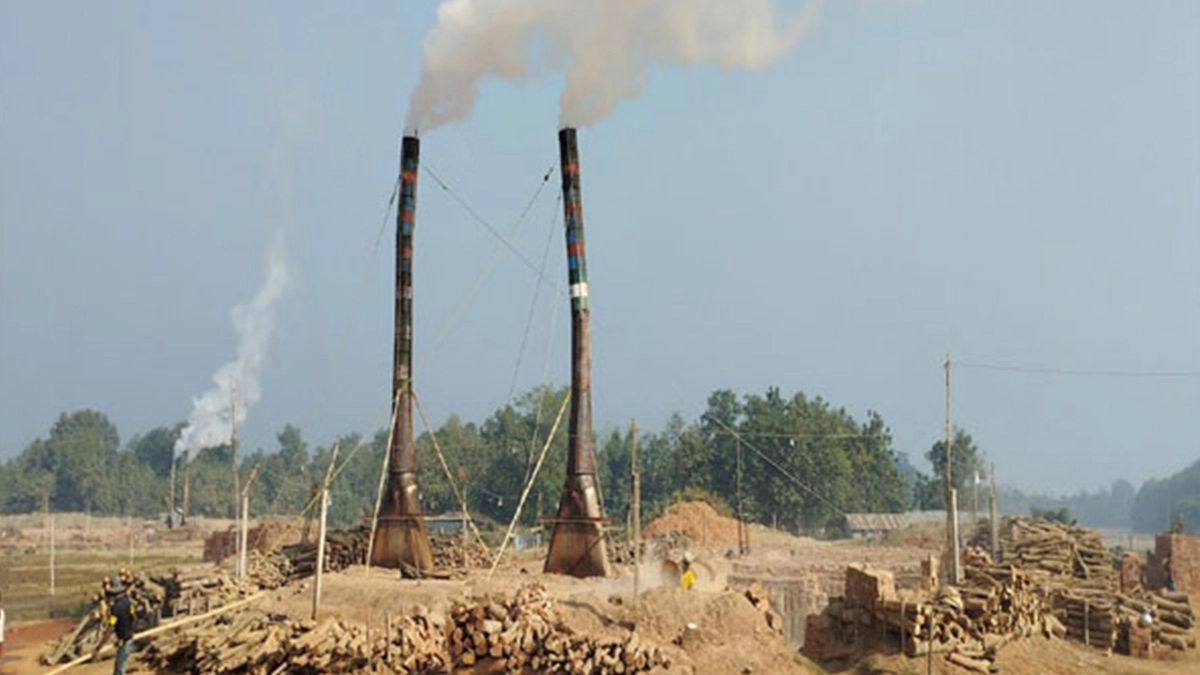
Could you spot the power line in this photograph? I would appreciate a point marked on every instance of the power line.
(779, 468)
(1025, 370)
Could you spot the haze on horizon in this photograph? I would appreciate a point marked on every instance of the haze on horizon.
(1016, 183)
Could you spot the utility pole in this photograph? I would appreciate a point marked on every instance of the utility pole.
(186, 488)
(956, 567)
(52, 570)
(237, 489)
(951, 516)
(171, 497)
(244, 531)
(321, 531)
(995, 515)
(743, 540)
(975, 501)
(635, 509)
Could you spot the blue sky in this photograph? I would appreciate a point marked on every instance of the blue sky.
(1016, 182)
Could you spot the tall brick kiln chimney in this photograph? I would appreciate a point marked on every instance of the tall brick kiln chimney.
(400, 537)
(577, 545)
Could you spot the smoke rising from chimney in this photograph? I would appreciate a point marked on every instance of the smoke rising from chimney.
(604, 48)
(209, 425)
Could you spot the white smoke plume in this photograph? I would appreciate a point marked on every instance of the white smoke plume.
(604, 47)
(210, 422)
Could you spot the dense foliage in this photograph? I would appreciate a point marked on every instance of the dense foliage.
(795, 461)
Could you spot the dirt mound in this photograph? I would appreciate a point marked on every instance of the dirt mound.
(698, 522)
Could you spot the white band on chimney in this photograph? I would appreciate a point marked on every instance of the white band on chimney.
(579, 290)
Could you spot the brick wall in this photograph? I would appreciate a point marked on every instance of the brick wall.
(1185, 563)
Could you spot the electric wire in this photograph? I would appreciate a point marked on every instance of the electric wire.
(1025, 370)
(780, 468)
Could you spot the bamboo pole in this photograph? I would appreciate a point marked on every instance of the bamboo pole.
(52, 567)
(321, 532)
(320, 553)
(528, 487)
(635, 510)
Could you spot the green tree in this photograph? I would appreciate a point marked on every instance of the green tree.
(966, 463)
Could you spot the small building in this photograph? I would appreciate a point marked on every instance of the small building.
(874, 525)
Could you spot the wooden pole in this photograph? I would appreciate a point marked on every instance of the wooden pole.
(244, 531)
(187, 482)
(320, 553)
(995, 515)
(233, 447)
(131, 537)
(635, 510)
(949, 469)
(956, 569)
(52, 570)
(243, 536)
(321, 531)
(741, 524)
(975, 501)
(171, 497)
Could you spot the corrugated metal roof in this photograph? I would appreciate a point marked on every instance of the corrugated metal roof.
(876, 521)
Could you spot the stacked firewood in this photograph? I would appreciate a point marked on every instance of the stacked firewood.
(526, 634)
(343, 548)
(146, 596)
(255, 642)
(449, 552)
(1058, 550)
(268, 570)
(197, 590)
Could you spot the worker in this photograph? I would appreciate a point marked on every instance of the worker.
(1168, 574)
(119, 621)
(688, 578)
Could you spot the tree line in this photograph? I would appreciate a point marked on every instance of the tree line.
(794, 461)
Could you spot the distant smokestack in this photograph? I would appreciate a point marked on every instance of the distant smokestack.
(577, 545)
(400, 537)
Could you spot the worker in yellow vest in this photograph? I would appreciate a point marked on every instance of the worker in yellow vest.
(688, 578)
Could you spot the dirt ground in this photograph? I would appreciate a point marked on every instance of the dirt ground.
(709, 630)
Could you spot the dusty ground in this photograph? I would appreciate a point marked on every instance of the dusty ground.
(706, 631)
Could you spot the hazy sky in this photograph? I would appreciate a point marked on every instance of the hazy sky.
(1016, 182)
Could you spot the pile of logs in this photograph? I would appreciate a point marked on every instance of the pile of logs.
(343, 548)
(1058, 550)
(519, 634)
(449, 552)
(147, 598)
(255, 642)
(526, 634)
(1099, 618)
(197, 590)
(268, 570)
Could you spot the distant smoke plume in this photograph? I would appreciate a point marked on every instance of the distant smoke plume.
(604, 47)
(210, 422)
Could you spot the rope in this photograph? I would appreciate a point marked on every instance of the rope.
(488, 270)
(457, 494)
(529, 486)
(387, 458)
(512, 387)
